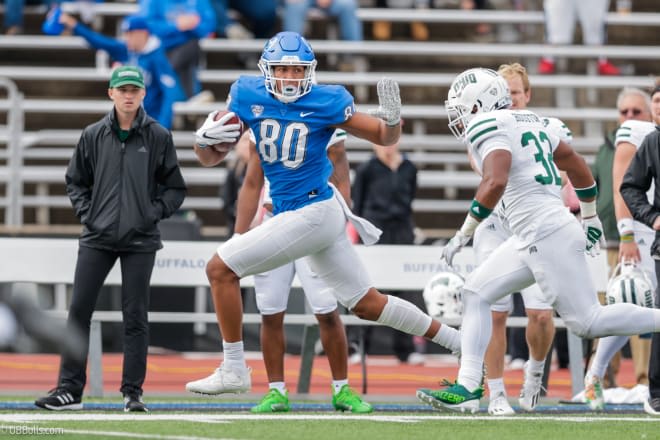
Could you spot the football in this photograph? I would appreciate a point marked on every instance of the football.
(226, 146)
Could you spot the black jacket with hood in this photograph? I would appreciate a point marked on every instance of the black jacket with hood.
(644, 170)
(121, 190)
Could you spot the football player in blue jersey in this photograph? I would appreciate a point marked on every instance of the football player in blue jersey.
(292, 120)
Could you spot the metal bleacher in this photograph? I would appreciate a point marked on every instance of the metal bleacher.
(444, 170)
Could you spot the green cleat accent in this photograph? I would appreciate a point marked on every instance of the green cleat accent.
(348, 400)
(273, 401)
(455, 398)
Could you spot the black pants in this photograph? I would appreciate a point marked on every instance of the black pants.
(92, 268)
(654, 360)
(185, 62)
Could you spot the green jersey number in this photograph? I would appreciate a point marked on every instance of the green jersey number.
(551, 175)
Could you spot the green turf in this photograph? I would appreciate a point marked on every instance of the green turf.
(328, 426)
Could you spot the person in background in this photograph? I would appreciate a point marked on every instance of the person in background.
(642, 174)
(419, 31)
(13, 16)
(180, 24)
(137, 47)
(560, 18)
(260, 14)
(294, 19)
(635, 239)
(236, 169)
(383, 191)
(632, 104)
(123, 178)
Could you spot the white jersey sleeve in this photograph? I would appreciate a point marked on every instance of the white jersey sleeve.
(633, 132)
(338, 136)
(559, 129)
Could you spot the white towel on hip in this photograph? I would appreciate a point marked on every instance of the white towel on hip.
(367, 231)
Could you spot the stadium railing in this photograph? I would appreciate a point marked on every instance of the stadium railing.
(182, 263)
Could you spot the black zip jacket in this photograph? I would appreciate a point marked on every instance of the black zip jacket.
(644, 169)
(121, 190)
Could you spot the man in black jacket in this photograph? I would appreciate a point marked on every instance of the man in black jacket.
(122, 180)
(644, 171)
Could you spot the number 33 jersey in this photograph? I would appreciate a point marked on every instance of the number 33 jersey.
(531, 204)
(291, 138)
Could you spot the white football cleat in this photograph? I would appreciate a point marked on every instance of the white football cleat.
(499, 406)
(531, 389)
(223, 380)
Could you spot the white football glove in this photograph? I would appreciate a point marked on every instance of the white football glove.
(389, 102)
(595, 237)
(216, 132)
(453, 246)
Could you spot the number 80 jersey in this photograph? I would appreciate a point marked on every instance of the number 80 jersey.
(531, 204)
(291, 138)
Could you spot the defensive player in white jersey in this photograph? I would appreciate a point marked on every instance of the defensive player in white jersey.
(634, 246)
(518, 161)
(292, 120)
(540, 329)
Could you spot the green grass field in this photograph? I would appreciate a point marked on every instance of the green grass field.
(322, 425)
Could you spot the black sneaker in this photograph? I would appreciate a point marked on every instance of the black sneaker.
(59, 399)
(652, 406)
(134, 403)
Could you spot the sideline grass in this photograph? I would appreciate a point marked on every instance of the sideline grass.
(324, 426)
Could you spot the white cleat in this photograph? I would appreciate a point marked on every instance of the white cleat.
(531, 390)
(499, 406)
(223, 380)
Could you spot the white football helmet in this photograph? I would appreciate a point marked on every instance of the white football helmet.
(443, 296)
(473, 92)
(630, 284)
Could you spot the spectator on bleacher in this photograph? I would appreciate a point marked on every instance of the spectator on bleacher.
(560, 18)
(180, 24)
(383, 191)
(13, 19)
(632, 105)
(294, 19)
(137, 47)
(122, 180)
(483, 30)
(260, 14)
(382, 30)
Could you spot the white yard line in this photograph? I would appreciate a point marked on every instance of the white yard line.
(30, 417)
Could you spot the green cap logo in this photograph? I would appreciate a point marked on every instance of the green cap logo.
(126, 75)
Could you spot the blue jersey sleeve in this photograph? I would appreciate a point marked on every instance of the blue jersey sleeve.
(116, 48)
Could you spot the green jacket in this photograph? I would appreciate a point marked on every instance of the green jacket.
(602, 171)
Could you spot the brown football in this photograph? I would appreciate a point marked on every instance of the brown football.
(226, 146)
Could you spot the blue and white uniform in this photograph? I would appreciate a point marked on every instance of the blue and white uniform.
(309, 214)
(272, 288)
